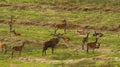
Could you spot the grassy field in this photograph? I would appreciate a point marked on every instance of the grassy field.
(76, 12)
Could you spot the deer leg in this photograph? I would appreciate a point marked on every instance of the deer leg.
(52, 50)
(55, 30)
(5, 50)
(83, 46)
(87, 49)
(44, 51)
(12, 53)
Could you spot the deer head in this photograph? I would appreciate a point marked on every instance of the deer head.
(59, 35)
(94, 33)
(64, 21)
(96, 39)
(23, 43)
(88, 34)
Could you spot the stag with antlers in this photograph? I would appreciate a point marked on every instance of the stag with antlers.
(51, 43)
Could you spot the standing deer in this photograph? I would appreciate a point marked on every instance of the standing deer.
(10, 23)
(51, 43)
(61, 26)
(93, 45)
(96, 34)
(85, 40)
(3, 47)
(17, 48)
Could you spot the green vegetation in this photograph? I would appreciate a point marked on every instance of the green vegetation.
(54, 11)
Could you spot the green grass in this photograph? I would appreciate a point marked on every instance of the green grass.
(42, 33)
(90, 64)
(33, 50)
(12, 62)
(73, 17)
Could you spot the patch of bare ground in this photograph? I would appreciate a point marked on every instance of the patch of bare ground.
(69, 26)
(106, 51)
(103, 58)
(62, 6)
(70, 61)
(73, 61)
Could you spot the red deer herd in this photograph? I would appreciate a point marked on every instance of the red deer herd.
(52, 43)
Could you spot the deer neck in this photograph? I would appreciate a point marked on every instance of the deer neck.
(95, 33)
(87, 35)
(58, 39)
(23, 45)
(14, 32)
(96, 40)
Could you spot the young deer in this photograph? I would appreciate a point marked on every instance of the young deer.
(17, 48)
(15, 33)
(85, 40)
(93, 45)
(61, 26)
(80, 31)
(51, 43)
(3, 47)
(97, 34)
(66, 38)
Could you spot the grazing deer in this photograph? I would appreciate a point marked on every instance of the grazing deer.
(79, 31)
(15, 33)
(17, 48)
(93, 45)
(61, 26)
(51, 43)
(97, 34)
(3, 47)
(85, 40)
(66, 38)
